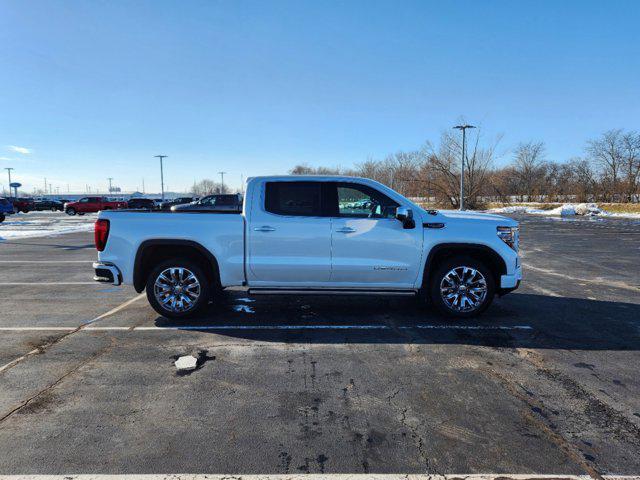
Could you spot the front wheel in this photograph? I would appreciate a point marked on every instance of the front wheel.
(71, 211)
(462, 287)
(2, 217)
(178, 288)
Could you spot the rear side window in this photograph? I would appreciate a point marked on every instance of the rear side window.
(294, 198)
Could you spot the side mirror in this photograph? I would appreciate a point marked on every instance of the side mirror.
(405, 215)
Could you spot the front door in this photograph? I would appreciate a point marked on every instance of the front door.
(370, 247)
(289, 238)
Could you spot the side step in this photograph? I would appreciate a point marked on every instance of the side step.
(328, 291)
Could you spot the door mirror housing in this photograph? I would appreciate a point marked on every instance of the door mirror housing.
(405, 215)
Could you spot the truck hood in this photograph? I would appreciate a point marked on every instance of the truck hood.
(467, 216)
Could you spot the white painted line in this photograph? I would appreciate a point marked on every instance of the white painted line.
(37, 329)
(70, 331)
(595, 280)
(47, 261)
(318, 476)
(48, 283)
(115, 310)
(90, 327)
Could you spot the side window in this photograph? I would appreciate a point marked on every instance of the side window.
(84, 200)
(208, 200)
(293, 198)
(361, 201)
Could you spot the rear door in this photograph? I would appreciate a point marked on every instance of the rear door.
(289, 237)
(370, 247)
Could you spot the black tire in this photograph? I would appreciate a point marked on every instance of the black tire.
(54, 209)
(196, 270)
(459, 262)
(2, 217)
(71, 211)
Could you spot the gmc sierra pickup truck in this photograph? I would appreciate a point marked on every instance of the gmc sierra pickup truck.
(311, 235)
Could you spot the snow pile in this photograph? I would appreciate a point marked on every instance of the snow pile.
(44, 224)
(565, 210)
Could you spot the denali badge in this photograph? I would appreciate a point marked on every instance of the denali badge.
(389, 268)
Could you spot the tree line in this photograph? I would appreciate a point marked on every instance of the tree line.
(608, 171)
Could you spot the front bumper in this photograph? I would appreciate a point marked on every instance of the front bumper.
(508, 283)
(107, 273)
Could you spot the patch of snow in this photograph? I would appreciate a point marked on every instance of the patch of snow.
(565, 210)
(44, 224)
(243, 308)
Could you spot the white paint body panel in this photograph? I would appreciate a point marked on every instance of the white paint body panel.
(309, 251)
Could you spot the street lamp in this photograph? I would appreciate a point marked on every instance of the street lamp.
(8, 169)
(222, 181)
(161, 157)
(464, 142)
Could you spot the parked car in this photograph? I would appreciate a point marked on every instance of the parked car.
(224, 203)
(6, 208)
(45, 204)
(141, 204)
(91, 205)
(23, 204)
(167, 204)
(295, 237)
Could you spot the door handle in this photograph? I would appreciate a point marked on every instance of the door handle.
(264, 228)
(346, 230)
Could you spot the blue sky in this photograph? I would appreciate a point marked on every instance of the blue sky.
(94, 89)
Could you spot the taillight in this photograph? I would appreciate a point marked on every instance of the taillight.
(101, 233)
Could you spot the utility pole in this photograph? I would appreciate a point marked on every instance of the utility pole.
(464, 144)
(8, 169)
(45, 185)
(161, 157)
(222, 181)
(242, 184)
(109, 178)
(142, 184)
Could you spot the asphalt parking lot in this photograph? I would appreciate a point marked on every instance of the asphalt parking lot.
(546, 382)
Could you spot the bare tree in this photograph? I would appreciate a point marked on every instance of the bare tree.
(208, 187)
(607, 153)
(528, 164)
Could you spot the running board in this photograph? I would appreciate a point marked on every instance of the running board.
(328, 291)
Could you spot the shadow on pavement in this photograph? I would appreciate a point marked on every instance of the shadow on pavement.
(515, 321)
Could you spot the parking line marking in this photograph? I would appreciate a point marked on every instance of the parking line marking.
(47, 261)
(90, 327)
(69, 332)
(318, 476)
(48, 283)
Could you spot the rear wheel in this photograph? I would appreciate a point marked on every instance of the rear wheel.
(178, 288)
(54, 209)
(462, 287)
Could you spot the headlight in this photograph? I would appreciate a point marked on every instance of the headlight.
(510, 236)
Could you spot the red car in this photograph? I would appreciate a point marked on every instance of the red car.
(91, 205)
(24, 205)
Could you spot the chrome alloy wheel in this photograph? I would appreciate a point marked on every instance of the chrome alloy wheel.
(463, 289)
(177, 289)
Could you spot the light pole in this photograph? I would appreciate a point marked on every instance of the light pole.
(464, 144)
(161, 157)
(222, 181)
(110, 178)
(8, 169)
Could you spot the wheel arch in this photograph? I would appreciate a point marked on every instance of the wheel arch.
(150, 252)
(484, 253)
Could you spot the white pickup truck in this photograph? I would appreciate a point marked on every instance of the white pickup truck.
(311, 235)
